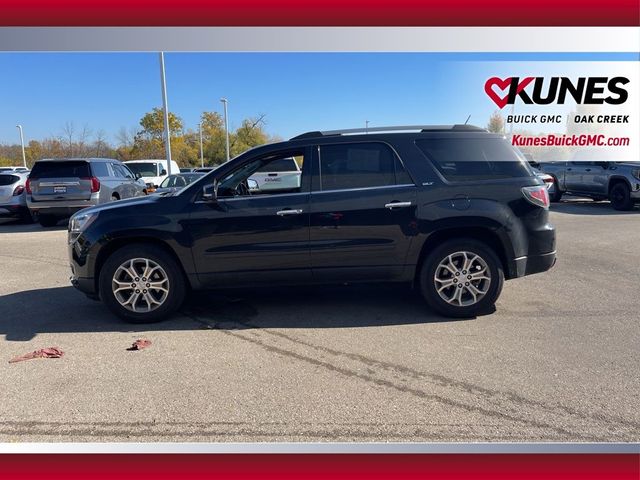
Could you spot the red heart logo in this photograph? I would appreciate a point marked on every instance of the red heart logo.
(502, 85)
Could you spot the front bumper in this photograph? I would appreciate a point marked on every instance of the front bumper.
(81, 263)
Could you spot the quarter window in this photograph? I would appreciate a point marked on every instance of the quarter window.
(359, 165)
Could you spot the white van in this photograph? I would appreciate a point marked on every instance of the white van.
(153, 172)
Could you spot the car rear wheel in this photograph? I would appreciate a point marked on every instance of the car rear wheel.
(620, 197)
(142, 284)
(461, 278)
(48, 220)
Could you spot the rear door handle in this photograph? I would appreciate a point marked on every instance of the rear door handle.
(588, 169)
(393, 205)
(288, 211)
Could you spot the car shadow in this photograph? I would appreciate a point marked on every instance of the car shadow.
(17, 226)
(65, 310)
(586, 206)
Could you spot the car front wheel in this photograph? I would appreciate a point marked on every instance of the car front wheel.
(462, 278)
(142, 284)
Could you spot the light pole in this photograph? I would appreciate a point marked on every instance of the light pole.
(201, 151)
(24, 158)
(226, 124)
(167, 134)
(366, 126)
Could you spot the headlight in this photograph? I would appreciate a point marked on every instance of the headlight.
(80, 221)
(636, 173)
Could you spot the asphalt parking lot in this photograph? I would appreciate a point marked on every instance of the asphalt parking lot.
(557, 361)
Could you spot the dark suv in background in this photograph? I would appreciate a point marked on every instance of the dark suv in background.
(452, 210)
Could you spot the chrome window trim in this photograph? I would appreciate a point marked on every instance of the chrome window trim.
(380, 187)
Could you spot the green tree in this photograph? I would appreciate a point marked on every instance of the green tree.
(152, 124)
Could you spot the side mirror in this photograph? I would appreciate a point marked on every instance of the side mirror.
(163, 172)
(210, 192)
(252, 184)
(138, 176)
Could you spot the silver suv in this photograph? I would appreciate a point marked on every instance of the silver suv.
(57, 188)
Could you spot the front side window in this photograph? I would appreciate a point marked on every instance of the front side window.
(274, 173)
(359, 165)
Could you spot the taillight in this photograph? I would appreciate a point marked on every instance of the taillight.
(95, 184)
(537, 195)
(18, 190)
(27, 185)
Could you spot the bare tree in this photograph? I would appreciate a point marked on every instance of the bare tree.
(83, 137)
(100, 142)
(125, 137)
(68, 130)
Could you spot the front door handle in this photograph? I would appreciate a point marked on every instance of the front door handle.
(288, 211)
(393, 205)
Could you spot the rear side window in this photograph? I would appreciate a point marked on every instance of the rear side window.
(467, 159)
(100, 169)
(8, 179)
(282, 165)
(359, 165)
(71, 168)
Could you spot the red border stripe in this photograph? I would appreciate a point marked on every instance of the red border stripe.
(319, 12)
(351, 466)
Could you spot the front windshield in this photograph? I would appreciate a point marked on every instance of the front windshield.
(144, 169)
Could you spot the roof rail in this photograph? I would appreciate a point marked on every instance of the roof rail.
(401, 128)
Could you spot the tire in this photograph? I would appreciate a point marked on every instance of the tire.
(165, 304)
(620, 197)
(479, 255)
(115, 198)
(48, 220)
(556, 195)
(25, 216)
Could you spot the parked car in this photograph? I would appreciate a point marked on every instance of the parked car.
(13, 169)
(452, 210)
(57, 188)
(598, 179)
(13, 199)
(173, 183)
(545, 177)
(278, 175)
(204, 169)
(152, 172)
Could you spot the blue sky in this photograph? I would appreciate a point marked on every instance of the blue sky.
(297, 91)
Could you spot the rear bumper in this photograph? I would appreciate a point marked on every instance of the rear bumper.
(535, 264)
(61, 208)
(12, 211)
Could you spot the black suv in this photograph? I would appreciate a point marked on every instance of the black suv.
(452, 210)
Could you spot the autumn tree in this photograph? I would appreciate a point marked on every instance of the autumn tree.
(496, 123)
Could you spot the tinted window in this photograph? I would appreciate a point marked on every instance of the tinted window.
(356, 165)
(8, 179)
(70, 168)
(462, 159)
(100, 169)
(281, 165)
